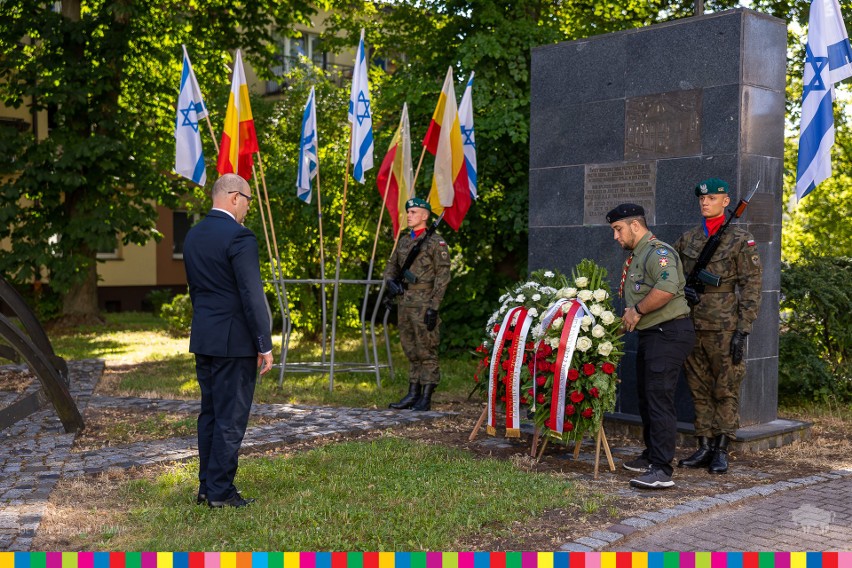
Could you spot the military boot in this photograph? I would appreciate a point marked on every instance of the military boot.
(701, 457)
(425, 401)
(719, 464)
(414, 390)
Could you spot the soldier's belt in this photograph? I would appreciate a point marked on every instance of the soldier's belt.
(719, 289)
(421, 286)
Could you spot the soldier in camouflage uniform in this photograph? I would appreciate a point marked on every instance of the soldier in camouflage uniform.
(417, 313)
(723, 318)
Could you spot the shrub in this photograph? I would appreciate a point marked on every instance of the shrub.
(815, 349)
(178, 314)
(156, 299)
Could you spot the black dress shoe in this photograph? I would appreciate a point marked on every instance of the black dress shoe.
(201, 498)
(236, 501)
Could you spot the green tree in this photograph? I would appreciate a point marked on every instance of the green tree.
(106, 71)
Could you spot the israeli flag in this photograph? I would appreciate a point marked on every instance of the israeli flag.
(468, 140)
(189, 154)
(360, 116)
(308, 160)
(828, 60)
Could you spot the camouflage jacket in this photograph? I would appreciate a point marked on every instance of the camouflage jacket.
(431, 269)
(734, 304)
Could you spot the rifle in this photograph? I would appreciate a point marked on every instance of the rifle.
(397, 286)
(699, 276)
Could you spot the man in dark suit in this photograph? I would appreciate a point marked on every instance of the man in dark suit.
(230, 334)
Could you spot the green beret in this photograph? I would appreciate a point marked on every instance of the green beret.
(417, 202)
(711, 186)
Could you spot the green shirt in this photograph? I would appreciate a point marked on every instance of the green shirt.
(654, 264)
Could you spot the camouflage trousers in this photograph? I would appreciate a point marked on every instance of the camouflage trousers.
(715, 384)
(419, 344)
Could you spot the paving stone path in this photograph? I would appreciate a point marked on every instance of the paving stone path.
(809, 513)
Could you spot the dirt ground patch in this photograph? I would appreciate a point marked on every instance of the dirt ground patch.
(606, 499)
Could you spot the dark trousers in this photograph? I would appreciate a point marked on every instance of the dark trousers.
(227, 388)
(662, 352)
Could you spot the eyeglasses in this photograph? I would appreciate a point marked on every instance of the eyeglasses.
(248, 197)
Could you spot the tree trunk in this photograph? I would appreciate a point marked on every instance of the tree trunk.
(80, 304)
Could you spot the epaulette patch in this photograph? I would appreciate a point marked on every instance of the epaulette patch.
(750, 242)
(664, 262)
(664, 275)
(442, 244)
(662, 251)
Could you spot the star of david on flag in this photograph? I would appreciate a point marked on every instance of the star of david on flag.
(468, 139)
(828, 60)
(359, 117)
(308, 160)
(189, 153)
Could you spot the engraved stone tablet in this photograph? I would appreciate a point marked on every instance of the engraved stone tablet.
(760, 208)
(608, 185)
(663, 126)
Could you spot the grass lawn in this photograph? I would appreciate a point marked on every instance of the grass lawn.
(144, 360)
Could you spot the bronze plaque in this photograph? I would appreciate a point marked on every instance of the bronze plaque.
(608, 185)
(760, 208)
(663, 126)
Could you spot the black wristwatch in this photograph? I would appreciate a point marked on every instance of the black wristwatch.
(636, 307)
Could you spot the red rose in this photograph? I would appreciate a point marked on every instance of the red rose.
(608, 368)
(547, 350)
(589, 369)
(549, 423)
(567, 426)
(523, 400)
(496, 328)
(573, 375)
(540, 398)
(530, 392)
(588, 413)
(541, 380)
(476, 378)
(509, 336)
(576, 397)
(529, 346)
(485, 361)
(503, 398)
(569, 410)
(595, 392)
(505, 365)
(543, 366)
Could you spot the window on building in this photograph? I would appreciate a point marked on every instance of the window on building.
(110, 250)
(289, 52)
(181, 222)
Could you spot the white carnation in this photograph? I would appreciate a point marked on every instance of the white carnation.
(504, 297)
(605, 348)
(557, 323)
(584, 344)
(520, 298)
(596, 309)
(598, 331)
(548, 274)
(503, 309)
(548, 290)
(585, 295)
(585, 322)
(581, 282)
(536, 297)
(607, 317)
(600, 295)
(553, 342)
(532, 312)
(537, 331)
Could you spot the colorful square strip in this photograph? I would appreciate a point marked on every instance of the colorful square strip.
(425, 559)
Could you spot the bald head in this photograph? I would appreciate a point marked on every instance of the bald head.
(233, 194)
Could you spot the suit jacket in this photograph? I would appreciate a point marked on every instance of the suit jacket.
(229, 315)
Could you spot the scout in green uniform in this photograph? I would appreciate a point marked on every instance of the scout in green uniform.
(723, 319)
(417, 312)
(652, 283)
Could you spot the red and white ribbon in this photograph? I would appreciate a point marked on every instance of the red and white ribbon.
(567, 342)
(517, 318)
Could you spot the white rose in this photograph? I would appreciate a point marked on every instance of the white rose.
(520, 298)
(600, 295)
(503, 298)
(581, 282)
(598, 331)
(548, 290)
(605, 348)
(607, 317)
(536, 297)
(503, 309)
(584, 344)
(557, 324)
(548, 274)
(553, 342)
(585, 322)
(532, 312)
(585, 295)
(570, 292)
(596, 310)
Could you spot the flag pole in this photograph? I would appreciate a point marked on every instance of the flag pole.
(212, 135)
(322, 262)
(337, 265)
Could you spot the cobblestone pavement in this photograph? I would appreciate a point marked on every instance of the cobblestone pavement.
(809, 513)
(36, 452)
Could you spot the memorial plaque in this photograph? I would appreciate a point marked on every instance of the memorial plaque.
(760, 208)
(663, 126)
(608, 185)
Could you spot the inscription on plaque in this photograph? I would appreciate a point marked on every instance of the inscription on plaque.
(608, 185)
(760, 208)
(663, 126)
